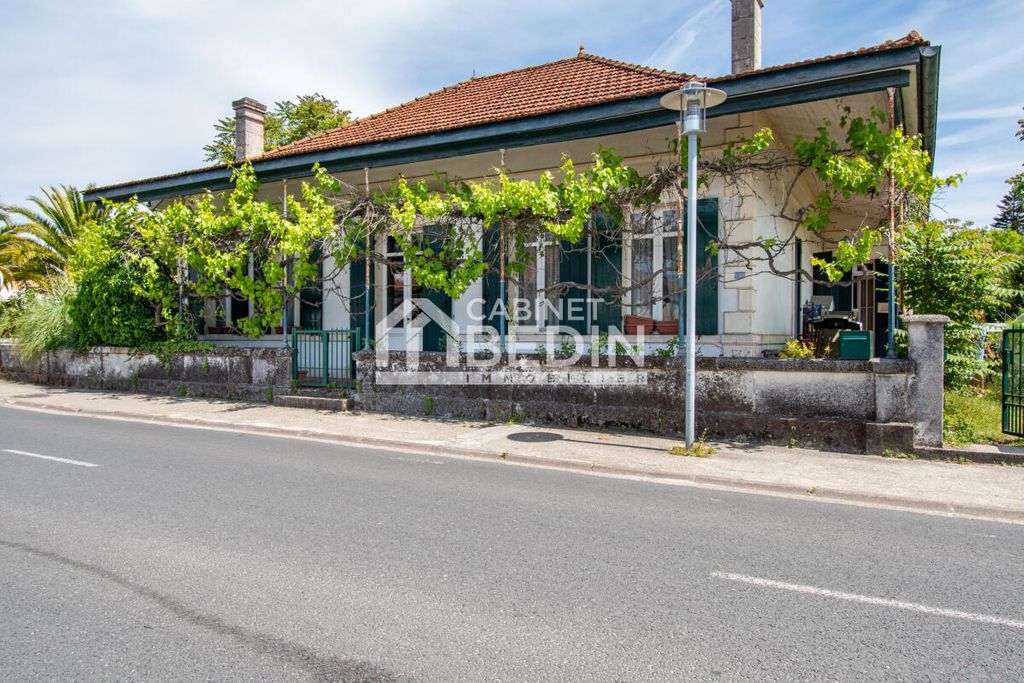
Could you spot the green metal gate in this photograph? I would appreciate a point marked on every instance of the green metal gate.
(323, 358)
(1013, 381)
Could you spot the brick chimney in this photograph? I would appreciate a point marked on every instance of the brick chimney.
(250, 116)
(746, 35)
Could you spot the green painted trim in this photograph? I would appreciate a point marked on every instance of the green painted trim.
(826, 80)
(928, 96)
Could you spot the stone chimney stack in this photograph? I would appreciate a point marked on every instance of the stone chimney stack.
(250, 117)
(746, 35)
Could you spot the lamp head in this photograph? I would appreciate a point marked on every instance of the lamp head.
(693, 100)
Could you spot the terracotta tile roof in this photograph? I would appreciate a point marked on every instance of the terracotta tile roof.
(912, 39)
(580, 81)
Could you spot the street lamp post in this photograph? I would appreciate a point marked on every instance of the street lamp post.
(692, 101)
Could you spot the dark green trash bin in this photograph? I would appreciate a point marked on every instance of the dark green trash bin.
(856, 345)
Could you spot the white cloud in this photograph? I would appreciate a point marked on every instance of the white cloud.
(671, 52)
(117, 89)
(1013, 111)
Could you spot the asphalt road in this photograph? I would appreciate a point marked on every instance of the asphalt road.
(187, 554)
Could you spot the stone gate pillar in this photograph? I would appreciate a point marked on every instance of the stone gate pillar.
(926, 347)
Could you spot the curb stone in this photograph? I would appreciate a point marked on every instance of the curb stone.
(573, 465)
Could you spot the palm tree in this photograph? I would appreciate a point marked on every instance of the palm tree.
(10, 250)
(51, 224)
(15, 251)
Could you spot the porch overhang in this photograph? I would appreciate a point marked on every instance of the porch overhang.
(847, 76)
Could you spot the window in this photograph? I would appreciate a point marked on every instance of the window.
(399, 285)
(653, 265)
(537, 304)
(311, 297)
(642, 265)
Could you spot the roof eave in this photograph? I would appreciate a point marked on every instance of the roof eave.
(758, 90)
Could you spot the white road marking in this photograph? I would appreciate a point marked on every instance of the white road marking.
(67, 461)
(869, 600)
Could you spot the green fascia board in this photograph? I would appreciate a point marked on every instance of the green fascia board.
(824, 80)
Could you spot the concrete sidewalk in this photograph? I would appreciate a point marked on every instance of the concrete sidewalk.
(986, 491)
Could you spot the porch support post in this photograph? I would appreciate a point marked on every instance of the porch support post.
(926, 342)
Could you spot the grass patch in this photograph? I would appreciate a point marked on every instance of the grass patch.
(976, 418)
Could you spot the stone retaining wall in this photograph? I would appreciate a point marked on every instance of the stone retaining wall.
(863, 405)
(231, 373)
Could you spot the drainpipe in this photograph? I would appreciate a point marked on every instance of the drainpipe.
(799, 257)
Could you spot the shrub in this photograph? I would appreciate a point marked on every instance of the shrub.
(10, 309)
(797, 349)
(956, 271)
(45, 323)
(108, 309)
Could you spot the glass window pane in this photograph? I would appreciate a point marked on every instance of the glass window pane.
(643, 277)
(641, 223)
(395, 289)
(528, 290)
(552, 256)
(669, 285)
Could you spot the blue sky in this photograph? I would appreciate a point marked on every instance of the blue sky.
(113, 90)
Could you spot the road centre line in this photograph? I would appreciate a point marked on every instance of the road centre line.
(67, 461)
(870, 600)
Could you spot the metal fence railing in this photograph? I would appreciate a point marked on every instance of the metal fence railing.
(1013, 381)
(323, 358)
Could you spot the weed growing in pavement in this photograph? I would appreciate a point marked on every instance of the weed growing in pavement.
(898, 455)
(700, 449)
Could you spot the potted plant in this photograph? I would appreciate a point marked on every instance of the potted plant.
(633, 324)
(667, 327)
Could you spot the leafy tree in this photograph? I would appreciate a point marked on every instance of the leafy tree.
(287, 122)
(1010, 242)
(51, 223)
(957, 271)
(1011, 207)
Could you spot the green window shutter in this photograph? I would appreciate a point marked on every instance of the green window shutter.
(492, 277)
(358, 298)
(707, 267)
(434, 337)
(572, 267)
(606, 269)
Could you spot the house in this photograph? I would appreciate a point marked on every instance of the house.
(526, 121)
